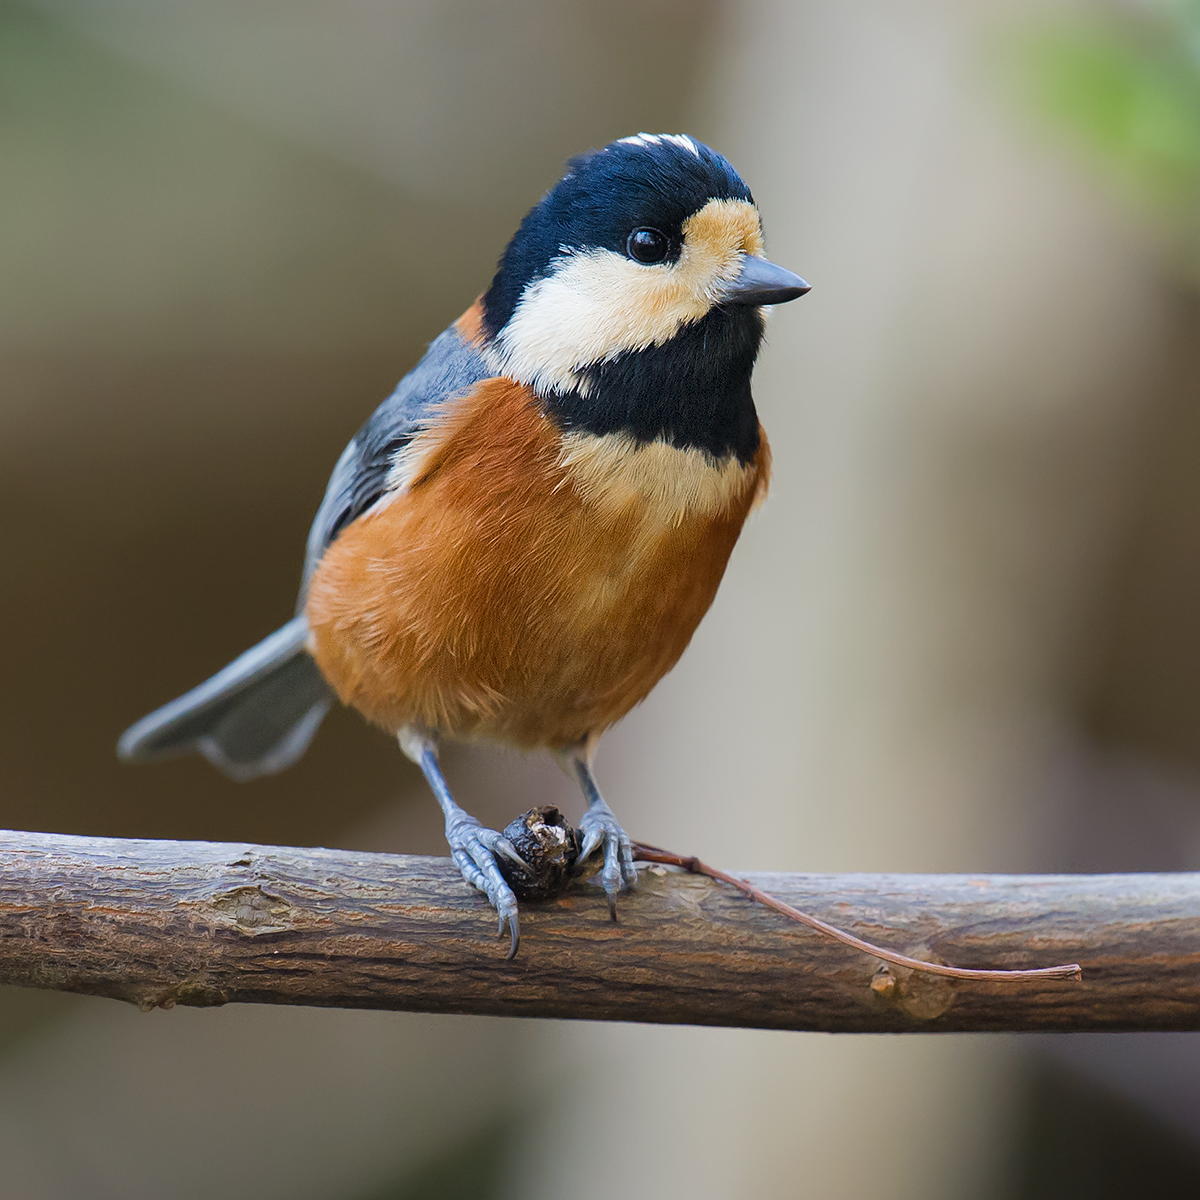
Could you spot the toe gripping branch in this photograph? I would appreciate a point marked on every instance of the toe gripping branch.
(599, 827)
(472, 846)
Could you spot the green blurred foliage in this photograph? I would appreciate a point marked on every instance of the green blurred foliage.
(1124, 81)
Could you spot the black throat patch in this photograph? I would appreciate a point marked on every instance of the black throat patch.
(692, 392)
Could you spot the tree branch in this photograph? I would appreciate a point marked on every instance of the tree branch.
(160, 923)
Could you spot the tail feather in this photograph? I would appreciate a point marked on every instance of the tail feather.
(254, 717)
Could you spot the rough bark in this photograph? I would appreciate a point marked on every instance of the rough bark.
(162, 923)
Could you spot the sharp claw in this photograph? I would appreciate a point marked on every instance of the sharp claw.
(593, 839)
(510, 852)
(473, 849)
(611, 878)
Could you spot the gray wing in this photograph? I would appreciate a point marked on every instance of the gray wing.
(449, 368)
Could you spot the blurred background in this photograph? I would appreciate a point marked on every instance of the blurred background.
(961, 635)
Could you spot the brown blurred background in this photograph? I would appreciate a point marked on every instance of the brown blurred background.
(961, 635)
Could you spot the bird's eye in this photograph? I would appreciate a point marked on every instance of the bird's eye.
(647, 245)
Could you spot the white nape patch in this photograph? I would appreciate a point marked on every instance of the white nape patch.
(665, 484)
(597, 304)
(682, 139)
(656, 139)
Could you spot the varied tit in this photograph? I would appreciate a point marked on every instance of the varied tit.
(521, 540)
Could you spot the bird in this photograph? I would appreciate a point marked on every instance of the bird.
(520, 541)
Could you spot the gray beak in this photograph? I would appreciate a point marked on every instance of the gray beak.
(762, 282)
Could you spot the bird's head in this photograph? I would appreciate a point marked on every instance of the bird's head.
(637, 244)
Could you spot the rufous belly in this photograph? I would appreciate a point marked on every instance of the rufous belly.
(525, 587)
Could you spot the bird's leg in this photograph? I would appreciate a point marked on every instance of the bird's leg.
(472, 847)
(600, 826)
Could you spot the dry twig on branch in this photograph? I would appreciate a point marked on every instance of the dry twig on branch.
(160, 923)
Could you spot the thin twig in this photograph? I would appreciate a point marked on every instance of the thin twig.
(696, 867)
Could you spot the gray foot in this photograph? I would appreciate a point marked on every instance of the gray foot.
(474, 851)
(472, 847)
(599, 826)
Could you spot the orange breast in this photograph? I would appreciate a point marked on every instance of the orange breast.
(523, 589)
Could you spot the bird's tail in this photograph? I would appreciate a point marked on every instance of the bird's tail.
(255, 717)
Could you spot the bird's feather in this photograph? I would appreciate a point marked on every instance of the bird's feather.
(525, 588)
(254, 717)
(258, 715)
(365, 473)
